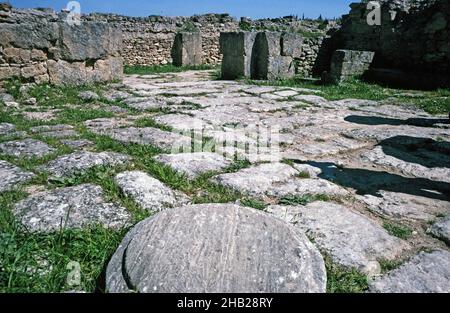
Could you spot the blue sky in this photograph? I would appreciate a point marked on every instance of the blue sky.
(236, 8)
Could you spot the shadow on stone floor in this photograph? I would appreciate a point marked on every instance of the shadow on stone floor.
(424, 151)
(372, 182)
(378, 120)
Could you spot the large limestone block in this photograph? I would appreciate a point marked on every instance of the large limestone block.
(237, 49)
(29, 35)
(349, 63)
(88, 41)
(291, 45)
(220, 248)
(187, 49)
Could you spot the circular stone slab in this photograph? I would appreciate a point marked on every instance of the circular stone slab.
(215, 248)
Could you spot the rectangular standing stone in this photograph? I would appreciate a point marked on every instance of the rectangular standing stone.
(187, 49)
(348, 63)
(237, 49)
(291, 45)
(268, 59)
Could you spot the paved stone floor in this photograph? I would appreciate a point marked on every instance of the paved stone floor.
(369, 163)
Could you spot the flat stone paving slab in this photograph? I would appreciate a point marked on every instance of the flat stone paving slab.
(219, 248)
(194, 164)
(149, 192)
(425, 273)
(350, 238)
(11, 176)
(70, 208)
(441, 229)
(78, 162)
(27, 148)
(149, 136)
(277, 180)
(55, 131)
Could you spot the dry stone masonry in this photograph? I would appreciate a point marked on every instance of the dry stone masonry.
(40, 46)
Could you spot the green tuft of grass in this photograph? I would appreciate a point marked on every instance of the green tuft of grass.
(388, 265)
(304, 175)
(253, 203)
(341, 279)
(397, 230)
(303, 200)
(150, 122)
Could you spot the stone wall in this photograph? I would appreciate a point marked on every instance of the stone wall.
(149, 40)
(413, 36)
(40, 46)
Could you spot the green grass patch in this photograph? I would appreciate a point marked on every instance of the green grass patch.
(388, 265)
(303, 200)
(397, 230)
(150, 122)
(341, 279)
(161, 69)
(253, 203)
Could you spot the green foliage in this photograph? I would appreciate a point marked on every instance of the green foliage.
(303, 200)
(161, 69)
(253, 203)
(397, 230)
(341, 279)
(245, 26)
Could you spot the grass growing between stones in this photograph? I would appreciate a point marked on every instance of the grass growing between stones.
(168, 68)
(434, 102)
(253, 203)
(341, 279)
(40, 262)
(397, 230)
(303, 200)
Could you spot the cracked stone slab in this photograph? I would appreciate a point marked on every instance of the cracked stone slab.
(194, 164)
(55, 131)
(379, 157)
(149, 136)
(144, 104)
(116, 95)
(441, 229)
(219, 248)
(70, 208)
(149, 192)
(404, 206)
(88, 95)
(11, 176)
(27, 148)
(101, 124)
(78, 144)
(276, 180)
(425, 273)
(182, 122)
(68, 165)
(7, 129)
(350, 238)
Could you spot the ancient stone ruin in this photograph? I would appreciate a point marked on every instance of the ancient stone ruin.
(187, 49)
(41, 46)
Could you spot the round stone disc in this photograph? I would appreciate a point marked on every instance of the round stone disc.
(215, 248)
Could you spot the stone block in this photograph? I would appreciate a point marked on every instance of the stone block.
(88, 41)
(187, 49)
(348, 63)
(291, 45)
(237, 48)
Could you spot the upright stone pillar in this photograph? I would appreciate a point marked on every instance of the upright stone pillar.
(237, 50)
(274, 55)
(187, 49)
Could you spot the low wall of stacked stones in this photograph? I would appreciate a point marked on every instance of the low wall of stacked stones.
(41, 46)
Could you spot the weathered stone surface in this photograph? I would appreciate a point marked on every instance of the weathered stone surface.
(215, 248)
(194, 164)
(425, 273)
(384, 156)
(88, 96)
(349, 63)
(11, 176)
(276, 180)
(77, 162)
(149, 136)
(236, 48)
(55, 131)
(148, 192)
(441, 229)
(187, 49)
(291, 45)
(7, 129)
(70, 208)
(404, 206)
(350, 238)
(27, 148)
(78, 144)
